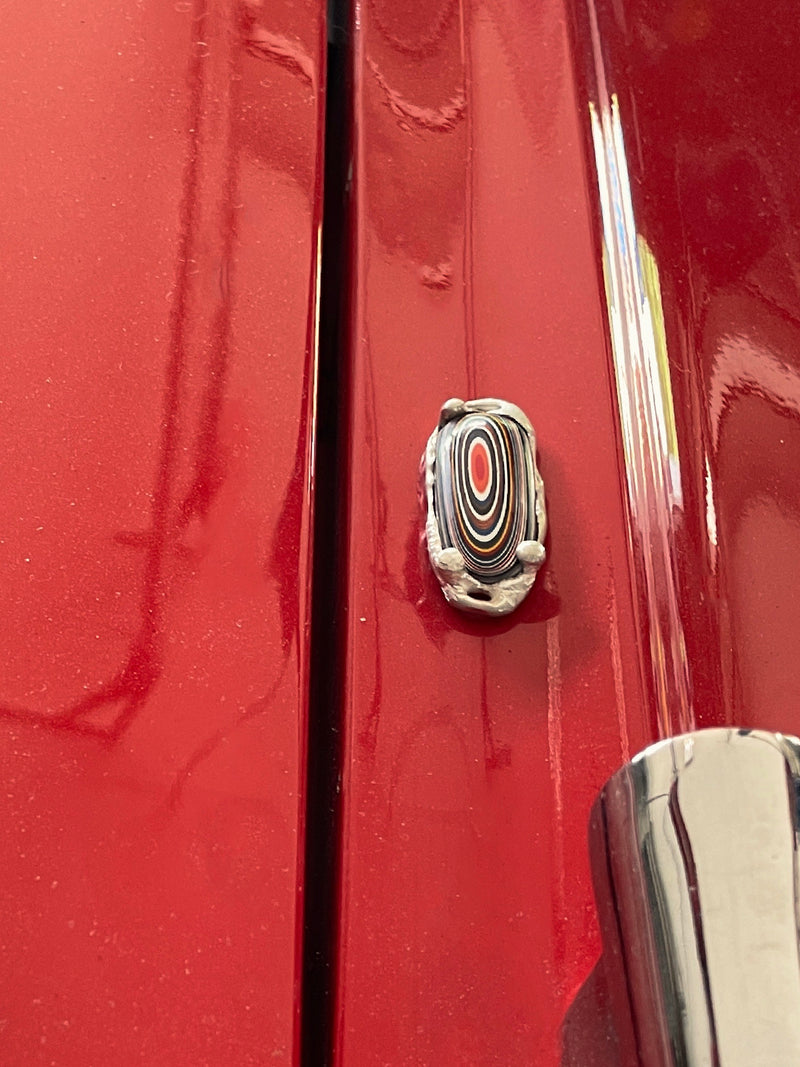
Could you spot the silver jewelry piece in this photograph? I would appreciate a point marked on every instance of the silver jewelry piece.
(486, 519)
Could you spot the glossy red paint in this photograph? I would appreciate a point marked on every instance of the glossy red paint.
(709, 99)
(160, 222)
(475, 748)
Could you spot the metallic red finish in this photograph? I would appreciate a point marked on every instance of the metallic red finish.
(709, 97)
(474, 748)
(160, 221)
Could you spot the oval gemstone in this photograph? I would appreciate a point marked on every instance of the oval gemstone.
(484, 469)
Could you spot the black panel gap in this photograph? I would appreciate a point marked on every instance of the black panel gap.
(320, 911)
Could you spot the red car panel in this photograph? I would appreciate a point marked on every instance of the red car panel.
(709, 103)
(474, 748)
(160, 224)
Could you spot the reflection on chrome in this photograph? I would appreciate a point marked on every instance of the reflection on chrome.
(695, 855)
(647, 417)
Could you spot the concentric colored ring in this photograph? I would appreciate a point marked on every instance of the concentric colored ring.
(482, 492)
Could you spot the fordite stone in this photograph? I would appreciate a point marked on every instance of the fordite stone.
(486, 517)
(483, 468)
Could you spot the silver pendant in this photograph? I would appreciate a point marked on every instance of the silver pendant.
(486, 519)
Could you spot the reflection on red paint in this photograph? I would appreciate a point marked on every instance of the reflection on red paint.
(160, 233)
(715, 195)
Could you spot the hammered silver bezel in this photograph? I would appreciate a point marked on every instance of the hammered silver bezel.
(462, 589)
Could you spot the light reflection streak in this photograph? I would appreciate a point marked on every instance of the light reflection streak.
(652, 466)
(711, 515)
(743, 366)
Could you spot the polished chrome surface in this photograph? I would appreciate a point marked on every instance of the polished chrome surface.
(696, 867)
(484, 500)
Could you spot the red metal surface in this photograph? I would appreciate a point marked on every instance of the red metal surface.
(160, 217)
(474, 748)
(709, 98)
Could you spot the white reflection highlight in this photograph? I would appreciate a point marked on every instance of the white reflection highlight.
(647, 418)
(711, 514)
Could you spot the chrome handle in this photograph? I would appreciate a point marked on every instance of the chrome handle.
(695, 856)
